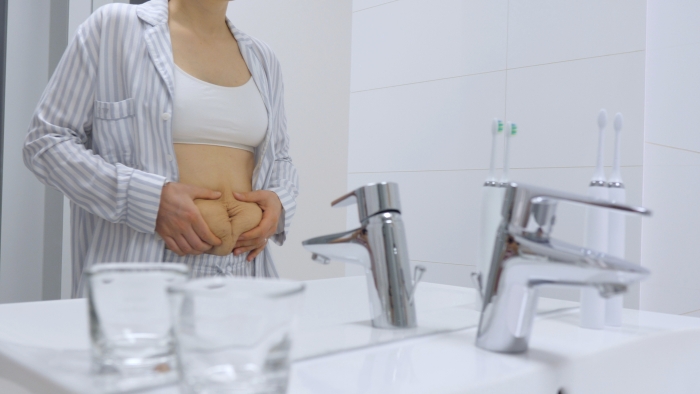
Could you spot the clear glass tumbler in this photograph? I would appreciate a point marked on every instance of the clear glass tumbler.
(131, 324)
(234, 334)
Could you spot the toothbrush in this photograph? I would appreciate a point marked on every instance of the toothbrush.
(596, 236)
(616, 176)
(511, 131)
(599, 175)
(496, 128)
(491, 202)
(616, 223)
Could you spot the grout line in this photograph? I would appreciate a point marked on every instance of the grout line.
(442, 262)
(491, 72)
(485, 169)
(576, 60)
(428, 81)
(375, 6)
(671, 147)
(687, 313)
(505, 101)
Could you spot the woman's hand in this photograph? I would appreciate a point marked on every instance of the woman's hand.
(179, 221)
(256, 239)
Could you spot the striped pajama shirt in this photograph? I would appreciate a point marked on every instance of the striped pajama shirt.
(101, 134)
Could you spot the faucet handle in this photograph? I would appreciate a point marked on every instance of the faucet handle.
(372, 199)
(522, 198)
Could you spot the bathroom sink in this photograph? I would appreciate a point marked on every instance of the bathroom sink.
(651, 353)
(44, 348)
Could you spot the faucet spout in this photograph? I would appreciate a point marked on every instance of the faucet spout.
(347, 247)
(379, 246)
(523, 261)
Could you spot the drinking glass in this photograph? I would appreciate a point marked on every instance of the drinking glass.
(234, 335)
(131, 325)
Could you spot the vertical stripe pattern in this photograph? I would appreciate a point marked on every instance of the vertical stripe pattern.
(102, 135)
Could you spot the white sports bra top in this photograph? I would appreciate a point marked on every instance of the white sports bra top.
(208, 114)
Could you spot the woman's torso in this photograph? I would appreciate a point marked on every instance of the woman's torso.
(219, 118)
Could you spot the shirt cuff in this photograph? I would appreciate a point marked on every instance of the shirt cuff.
(281, 233)
(143, 200)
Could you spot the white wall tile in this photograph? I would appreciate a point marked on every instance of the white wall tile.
(411, 41)
(547, 31)
(556, 108)
(672, 23)
(669, 239)
(358, 5)
(673, 82)
(437, 125)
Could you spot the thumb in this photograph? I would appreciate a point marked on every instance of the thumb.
(204, 193)
(248, 196)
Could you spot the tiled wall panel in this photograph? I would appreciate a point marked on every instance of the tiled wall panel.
(428, 77)
(556, 107)
(671, 188)
(410, 41)
(672, 157)
(673, 82)
(436, 125)
(548, 31)
(359, 5)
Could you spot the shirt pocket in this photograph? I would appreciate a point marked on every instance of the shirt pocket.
(113, 130)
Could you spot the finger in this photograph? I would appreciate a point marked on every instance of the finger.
(172, 245)
(183, 244)
(262, 230)
(202, 230)
(197, 244)
(245, 249)
(255, 196)
(203, 193)
(254, 253)
(257, 232)
(250, 242)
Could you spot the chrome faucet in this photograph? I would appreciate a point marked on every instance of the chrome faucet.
(526, 258)
(379, 245)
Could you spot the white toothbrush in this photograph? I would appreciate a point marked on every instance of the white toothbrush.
(596, 235)
(616, 176)
(511, 131)
(616, 225)
(496, 127)
(599, 174)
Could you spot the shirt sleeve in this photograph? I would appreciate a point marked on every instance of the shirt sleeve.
(284, 180)
(56, 146)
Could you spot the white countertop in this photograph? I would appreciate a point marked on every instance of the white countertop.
(44, 345)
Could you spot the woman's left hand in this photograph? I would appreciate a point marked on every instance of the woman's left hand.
(255, 240)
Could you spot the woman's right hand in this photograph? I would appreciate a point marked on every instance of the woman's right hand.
(179, 221)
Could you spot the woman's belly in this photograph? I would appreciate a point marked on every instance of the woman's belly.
(227, 170)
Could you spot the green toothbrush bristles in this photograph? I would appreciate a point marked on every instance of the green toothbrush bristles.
(500, 126)
(513, 129)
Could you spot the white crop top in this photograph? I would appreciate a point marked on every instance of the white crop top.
(204, 113)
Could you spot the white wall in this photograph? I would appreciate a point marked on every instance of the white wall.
(312, 41)
(27, 65)
(672, 157)
(427, 78)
